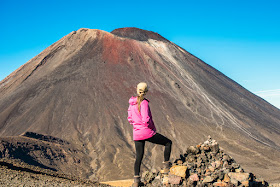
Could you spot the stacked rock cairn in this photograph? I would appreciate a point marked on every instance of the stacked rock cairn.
(203, 165)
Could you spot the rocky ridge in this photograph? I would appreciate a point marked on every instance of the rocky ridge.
(34, 159)
(46, 152)
(205, 164)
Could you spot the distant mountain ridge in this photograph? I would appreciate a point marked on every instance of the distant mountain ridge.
(78, 88)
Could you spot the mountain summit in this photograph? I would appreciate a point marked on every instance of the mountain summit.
(137, 34)
(78, 88)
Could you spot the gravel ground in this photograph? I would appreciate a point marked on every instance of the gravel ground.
(11, 175)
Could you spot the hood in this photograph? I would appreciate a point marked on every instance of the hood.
(133, 100)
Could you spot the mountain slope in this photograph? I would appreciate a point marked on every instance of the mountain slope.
(78, 90)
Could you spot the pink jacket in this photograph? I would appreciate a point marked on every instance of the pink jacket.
(143, 125)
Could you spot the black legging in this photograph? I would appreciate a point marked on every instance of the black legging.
(140, 145)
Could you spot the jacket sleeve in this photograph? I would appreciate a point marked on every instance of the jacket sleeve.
(145, 112)
(129, 116)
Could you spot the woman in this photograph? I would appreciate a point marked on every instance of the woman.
(140, 116)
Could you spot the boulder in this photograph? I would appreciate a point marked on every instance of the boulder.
(220, 184)
(173, 179)
(239, 176)
(217, 164)
(194, 177)
(148, 176)
(245, 183)
(211, 168)
(179, 162)
(226, 178)
(235, 165)
(208, 179)
(214, 148)
(226, 165)
(165, 180)
(226, 158)
(192, 150)
(179, 171)
(206, 148)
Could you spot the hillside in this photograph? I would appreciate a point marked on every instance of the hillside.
(78, 88)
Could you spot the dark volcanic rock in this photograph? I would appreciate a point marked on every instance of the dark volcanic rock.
(45, 138)
(78, 89)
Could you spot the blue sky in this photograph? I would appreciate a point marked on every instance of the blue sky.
(240, 38)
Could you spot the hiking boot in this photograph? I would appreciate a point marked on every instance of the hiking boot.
(136, 182)
(166, 167)
(164, 173)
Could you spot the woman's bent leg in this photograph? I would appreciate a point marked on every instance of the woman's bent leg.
(139, 146)
(167, 151)
(162, 140)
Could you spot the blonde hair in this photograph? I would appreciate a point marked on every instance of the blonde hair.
(142, 88)
(140, 98)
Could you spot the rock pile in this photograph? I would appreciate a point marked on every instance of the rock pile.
(203, 165)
